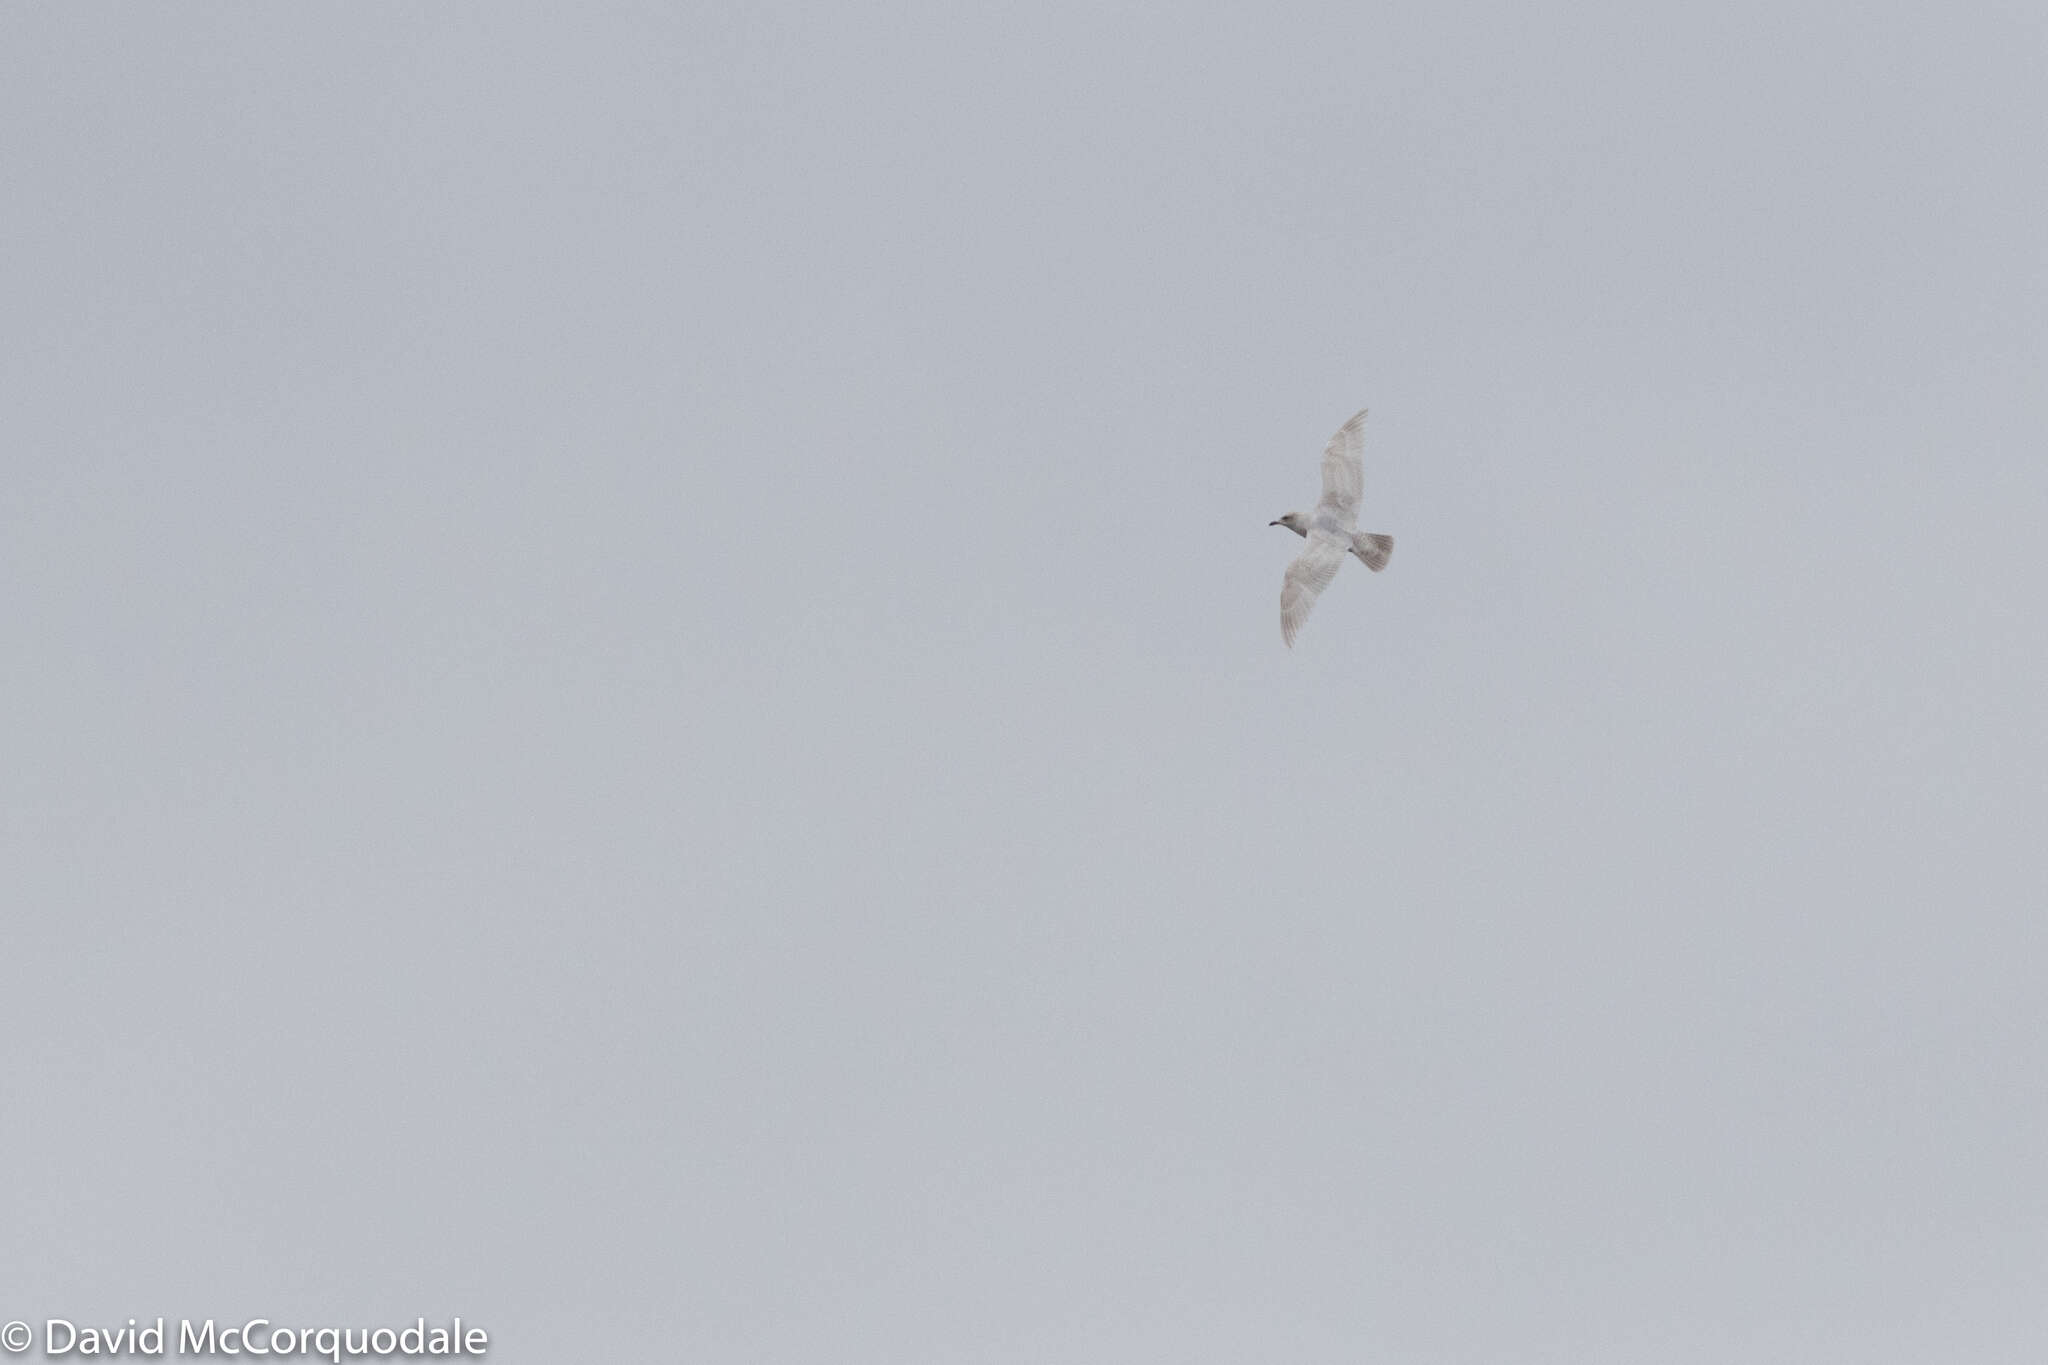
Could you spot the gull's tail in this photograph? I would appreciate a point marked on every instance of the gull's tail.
(1373, 549)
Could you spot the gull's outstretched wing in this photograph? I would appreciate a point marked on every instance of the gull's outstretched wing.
(1307, 576)
(1344, 472)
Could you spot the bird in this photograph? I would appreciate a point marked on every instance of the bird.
(1331, 530)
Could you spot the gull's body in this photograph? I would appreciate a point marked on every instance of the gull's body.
(1331, 530)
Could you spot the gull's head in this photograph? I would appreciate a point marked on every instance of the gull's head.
(1293, 521)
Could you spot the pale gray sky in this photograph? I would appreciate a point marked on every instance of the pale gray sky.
(644, 695)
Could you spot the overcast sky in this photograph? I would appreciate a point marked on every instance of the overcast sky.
(644, 699)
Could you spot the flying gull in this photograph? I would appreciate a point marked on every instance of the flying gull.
(1331, 530)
